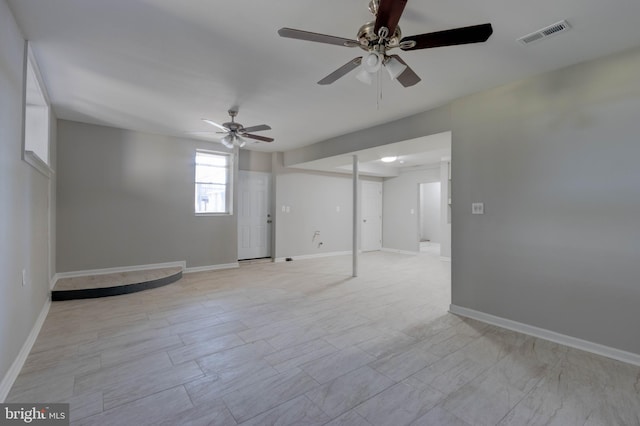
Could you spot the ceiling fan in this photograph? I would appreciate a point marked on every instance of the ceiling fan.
(235, 132)
(379, 36)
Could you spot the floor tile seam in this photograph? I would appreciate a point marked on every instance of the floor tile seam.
(103, 392)
(304, 395)
(337, 377)
(482, 371)
(204, 327)
(492, 363)
(360, 403)
(137, 399)
(93, 414)
(385, 375)
(57, 347)
(448, 394)
(525, 394)
(121, 333)
(440, 400)
(179, 335)
(76, 419)
(48, 377)
(147, 396)
(458, 349)
(75, 377)
(439, 405)
(297, 356)
(143, 354)
(410, 375)
(203, 355)
(317, 386)
(119, 345)
(323, 338)
(71, 357)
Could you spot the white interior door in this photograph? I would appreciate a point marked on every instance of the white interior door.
(254, 220)
(371, 230)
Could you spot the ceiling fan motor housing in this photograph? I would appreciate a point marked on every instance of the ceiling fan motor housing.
(232, 125)
(369, 39)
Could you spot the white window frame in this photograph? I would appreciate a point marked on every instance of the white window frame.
(229, 184)
(37, 116)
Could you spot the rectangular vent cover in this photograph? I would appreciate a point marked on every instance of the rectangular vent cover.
(557, 28)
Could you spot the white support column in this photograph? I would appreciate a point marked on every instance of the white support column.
(356, 216)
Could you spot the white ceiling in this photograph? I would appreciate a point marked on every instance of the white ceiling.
(162, 65)
(410, 155)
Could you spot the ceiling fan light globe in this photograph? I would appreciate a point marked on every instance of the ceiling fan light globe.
(364, 76)
(394, 67)
(227, 141)
(372, 62)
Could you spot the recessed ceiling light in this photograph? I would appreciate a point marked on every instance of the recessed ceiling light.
(388, 159)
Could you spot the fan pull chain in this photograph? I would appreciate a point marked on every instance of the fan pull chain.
(379, 91)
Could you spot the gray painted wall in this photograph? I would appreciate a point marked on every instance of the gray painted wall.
(24, 206)
(555, 160)
(255, 161)
(312, 199)
(126, 198)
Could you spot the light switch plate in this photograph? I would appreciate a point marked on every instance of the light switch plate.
(477, 208)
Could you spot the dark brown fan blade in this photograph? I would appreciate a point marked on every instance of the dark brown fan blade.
(464, 35)
(408, 78)
(257, 128)
(343, 70)
(389, 13)
(319, 38)
(256, 137)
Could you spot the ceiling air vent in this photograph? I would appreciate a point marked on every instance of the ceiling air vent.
(557, 28)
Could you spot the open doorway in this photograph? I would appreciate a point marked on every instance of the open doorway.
(430, 217)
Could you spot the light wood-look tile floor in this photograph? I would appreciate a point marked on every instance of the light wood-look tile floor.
(303, 343)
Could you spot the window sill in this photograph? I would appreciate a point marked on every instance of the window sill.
(36, 162)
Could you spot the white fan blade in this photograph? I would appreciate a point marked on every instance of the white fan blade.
(213, 123)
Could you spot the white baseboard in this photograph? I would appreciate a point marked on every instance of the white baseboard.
(211, 267)
(596, 348)
(9, 379)
(390, 250)
(117, 270)
(314, 256)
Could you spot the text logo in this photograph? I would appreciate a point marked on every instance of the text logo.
(34, 414)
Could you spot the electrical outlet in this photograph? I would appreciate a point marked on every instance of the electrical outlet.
(477, 208)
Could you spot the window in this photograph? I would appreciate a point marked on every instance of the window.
(36, 117)
(213, 183)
